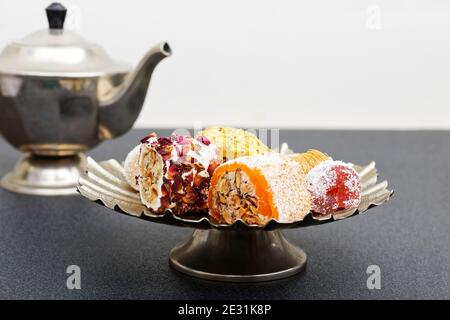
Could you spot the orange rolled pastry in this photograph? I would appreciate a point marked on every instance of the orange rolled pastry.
(257, 189)
(309, 159)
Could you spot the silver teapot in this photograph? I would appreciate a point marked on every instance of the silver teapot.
(60, 96)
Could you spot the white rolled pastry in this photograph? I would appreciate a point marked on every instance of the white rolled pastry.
(131, 167)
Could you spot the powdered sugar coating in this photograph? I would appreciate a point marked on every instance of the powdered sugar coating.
(286, 181)
(334, 185)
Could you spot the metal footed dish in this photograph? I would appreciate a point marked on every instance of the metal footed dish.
(235, 252)
(104, 183)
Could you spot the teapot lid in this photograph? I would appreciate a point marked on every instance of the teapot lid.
(57, 52)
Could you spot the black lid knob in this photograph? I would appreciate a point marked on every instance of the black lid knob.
(56, 14)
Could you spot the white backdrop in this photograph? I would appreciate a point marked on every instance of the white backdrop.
(284, 63)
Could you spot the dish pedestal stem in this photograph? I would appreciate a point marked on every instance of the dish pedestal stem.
(238, 255)
(45, 176)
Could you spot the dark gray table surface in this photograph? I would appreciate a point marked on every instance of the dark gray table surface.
(123, 257)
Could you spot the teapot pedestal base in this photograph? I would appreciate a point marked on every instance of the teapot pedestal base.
(45, 176)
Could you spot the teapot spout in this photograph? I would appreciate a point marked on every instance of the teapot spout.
(120, 106)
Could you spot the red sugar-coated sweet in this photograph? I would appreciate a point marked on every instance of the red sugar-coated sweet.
(334, 186)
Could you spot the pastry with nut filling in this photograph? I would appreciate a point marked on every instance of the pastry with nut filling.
(256, 189)
(174, 173)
